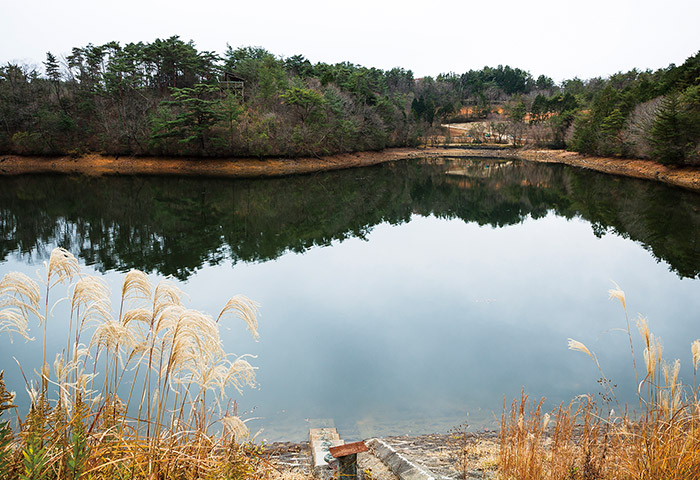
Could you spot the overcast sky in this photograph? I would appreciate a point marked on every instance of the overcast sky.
(558, 38)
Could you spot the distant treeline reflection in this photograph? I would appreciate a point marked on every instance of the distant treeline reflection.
(176, 225)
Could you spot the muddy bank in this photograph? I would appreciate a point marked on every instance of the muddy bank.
(685, 177)
(97, 165)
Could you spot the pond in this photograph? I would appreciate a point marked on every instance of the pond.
(404, 298)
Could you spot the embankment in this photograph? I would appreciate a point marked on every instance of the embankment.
(93, 164)
(685, 177)
(96, 165)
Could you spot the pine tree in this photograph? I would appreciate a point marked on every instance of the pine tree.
(53, 71)
(669, 131)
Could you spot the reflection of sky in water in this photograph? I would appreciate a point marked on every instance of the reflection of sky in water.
(430, 320)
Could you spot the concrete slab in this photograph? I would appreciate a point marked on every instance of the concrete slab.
(400, 465)
(320, 453)
(327, 433)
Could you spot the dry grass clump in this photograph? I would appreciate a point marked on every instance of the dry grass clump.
(579, 441)
(568, 443)
(142, 394)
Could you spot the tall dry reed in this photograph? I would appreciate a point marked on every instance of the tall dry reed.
(139, 394)
(584, 441)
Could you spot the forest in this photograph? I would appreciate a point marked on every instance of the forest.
(167, 98)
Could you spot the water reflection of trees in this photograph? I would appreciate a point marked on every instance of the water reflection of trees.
(177, 225)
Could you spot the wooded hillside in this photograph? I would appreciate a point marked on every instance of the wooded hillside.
(169, 98)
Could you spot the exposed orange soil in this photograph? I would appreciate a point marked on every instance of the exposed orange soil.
(96, 165)
(686, 177)
(470, 110)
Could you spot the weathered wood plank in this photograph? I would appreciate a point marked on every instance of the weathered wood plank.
(348, 449)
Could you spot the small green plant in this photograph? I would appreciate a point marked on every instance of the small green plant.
(35, 458)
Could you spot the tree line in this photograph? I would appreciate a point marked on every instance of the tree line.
(120, 223)
(169, 98)
(643, 114)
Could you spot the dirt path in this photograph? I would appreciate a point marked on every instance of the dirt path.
(96, 165)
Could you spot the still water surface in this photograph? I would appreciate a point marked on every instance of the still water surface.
(395, 299)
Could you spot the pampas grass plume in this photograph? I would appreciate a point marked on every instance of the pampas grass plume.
(136, 285)
(245, 309)
(62, 266)
(20, 289)
(88, 289)
(19, 298)
(578, 346)
(618, 294)
(234, 426)
(643, 327)
(695, 349)
(166, 295)
(12, 320)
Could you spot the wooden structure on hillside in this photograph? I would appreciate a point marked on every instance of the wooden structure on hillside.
(232, 83)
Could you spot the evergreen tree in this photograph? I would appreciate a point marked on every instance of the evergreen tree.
(196, 113)
(674, 132)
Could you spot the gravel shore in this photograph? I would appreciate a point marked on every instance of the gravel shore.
(449, 457)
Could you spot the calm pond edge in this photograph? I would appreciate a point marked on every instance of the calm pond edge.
(98, 165)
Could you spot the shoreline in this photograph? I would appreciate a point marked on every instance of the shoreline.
(448, 456)
(684, 177)
(100, 165)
